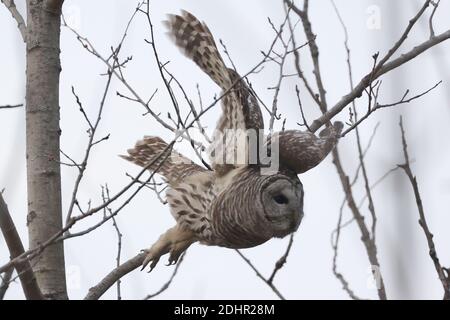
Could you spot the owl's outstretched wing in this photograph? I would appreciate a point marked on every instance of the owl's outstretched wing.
(191, 186)
(301, 151)
(155, 154)
(240, 109)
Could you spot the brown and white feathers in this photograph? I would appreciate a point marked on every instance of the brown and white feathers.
(240, 109)
(234, 205)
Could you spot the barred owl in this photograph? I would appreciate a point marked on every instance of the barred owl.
(234, 205)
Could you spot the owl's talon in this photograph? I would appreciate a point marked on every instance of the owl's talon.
(175, 241)
(149, 258)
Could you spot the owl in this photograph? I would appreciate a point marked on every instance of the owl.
(236, 204)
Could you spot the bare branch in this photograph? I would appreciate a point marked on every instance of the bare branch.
(6, 280)
(107, 282)
(379, 106)
(13, 106)
(338, 275)
(11, 6)
(282, 261)
(361, 152)
(314, 50)
(62, 234)
(403, 37)
(441, 271)
(430, 22)
(281, 66)
(169, 282)
(298, 68)
(91, 143)
(365, 82)
(370, 245)
(106, 197)
(80, 106)
(270, 284)
(304, 123)
(12, 238)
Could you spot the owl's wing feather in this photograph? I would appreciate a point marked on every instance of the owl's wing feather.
(197, 43)
(154, 154)
(240, 109)
(301, 151)
(191, 187)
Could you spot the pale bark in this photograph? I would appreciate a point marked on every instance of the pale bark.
(42, 124)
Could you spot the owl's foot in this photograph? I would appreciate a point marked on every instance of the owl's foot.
(174, 241)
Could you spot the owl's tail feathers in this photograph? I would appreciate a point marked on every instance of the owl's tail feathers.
(157, 156)
(197, 43)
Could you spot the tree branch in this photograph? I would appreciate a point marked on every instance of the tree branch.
(270, 284)
(97, 291)
(369, 244)
(11, 6)
(15, 247)
(441, 271)
(314, 50)
(282, 261)
(335, 245)
(6, 279)
(169, 282)
(379, 106)
(365, 82)
(9, 106)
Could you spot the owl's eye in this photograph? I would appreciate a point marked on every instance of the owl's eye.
(280, 199)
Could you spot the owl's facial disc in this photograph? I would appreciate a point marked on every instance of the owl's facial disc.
(283, 205)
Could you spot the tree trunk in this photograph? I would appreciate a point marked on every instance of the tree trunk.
(42, 124)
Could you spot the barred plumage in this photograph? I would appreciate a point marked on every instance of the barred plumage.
(240, 109)
(197, 43)
(236, 205)
(155, 154)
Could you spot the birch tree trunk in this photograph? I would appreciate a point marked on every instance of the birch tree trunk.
(42, 124)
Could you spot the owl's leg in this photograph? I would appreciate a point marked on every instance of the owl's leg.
(175, 241)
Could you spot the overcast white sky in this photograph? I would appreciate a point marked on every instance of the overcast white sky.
(218, 273)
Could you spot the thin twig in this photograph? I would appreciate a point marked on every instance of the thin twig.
(314, 50)
(362, 165)
(335, 245)
(430, 21)
(364, 82)
(271, 285)
(105, 197)
(305, 123)
(379, 106)
(442, 272)
(169, 282)
(282, 261)
(11, 106)
(91, 143)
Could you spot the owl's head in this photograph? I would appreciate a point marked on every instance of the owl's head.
(255, 208)
(282, 203)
